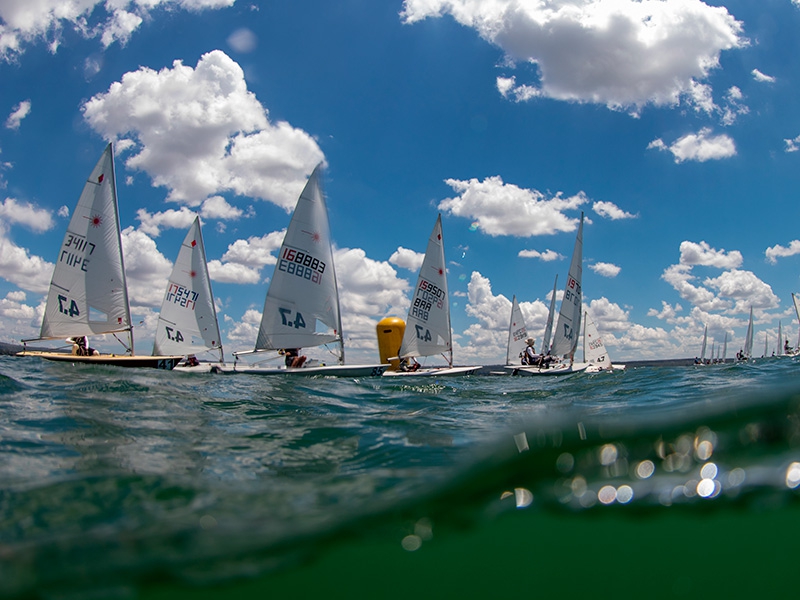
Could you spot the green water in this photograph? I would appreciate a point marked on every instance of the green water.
(657, 482)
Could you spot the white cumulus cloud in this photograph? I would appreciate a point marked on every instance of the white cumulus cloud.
(621, 53)
(759, 76)
(611, 211)
(407, 259)
(703, 254)
(20, 267)
(26, 214)
(546, 256)
(700, 147)
(19, 112)
(504, 209)
(146, 269)
(792, 144)
(199, 132)
(605, 269)
(777, 251)
(27, 22)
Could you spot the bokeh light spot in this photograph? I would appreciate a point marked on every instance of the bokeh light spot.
(411, 543)
(645, 469)
(793, 475)
(624, 494)
(607, 494)
(523, 497)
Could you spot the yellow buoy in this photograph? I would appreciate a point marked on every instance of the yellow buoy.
(390, 337)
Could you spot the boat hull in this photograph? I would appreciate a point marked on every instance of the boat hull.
(320, 370)
(554, 371)
(434, 372)
(166, 363)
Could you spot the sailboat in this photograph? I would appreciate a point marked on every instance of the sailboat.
(702, 359)
(517, 334)
(565, 338)
(88, 292)
(796, 350)
(724, 348)
(747, 352)
(427, 331)
(187, 323)
(301, 309)
(594, 350)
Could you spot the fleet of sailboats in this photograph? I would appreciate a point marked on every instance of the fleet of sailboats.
(88, 296)
(567, 331)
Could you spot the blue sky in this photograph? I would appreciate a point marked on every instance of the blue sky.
(672, 124)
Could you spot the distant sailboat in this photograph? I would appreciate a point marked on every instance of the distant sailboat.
(595, 353)
(187, 322)
(747, 351)
(301, 309)
(517, 334)
(702, 359)
(88, 292)
(725, 348)
(567, 332)
(427, 330)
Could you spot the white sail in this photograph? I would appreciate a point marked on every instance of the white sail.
(187, 323)
(428, 325)
(565, 338)
(548, 328)
(594, 350)
(703, 349)
(725, 347)
(302, 304)
(796, 302)
(517, 334)
(88, 292)
(748, 338)
(779, 351)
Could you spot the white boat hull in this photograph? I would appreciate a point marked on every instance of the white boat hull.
(321, 370)
(433, 372)
(553, 371)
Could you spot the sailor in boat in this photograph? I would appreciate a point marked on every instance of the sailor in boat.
(409, 364)
(80, 346)
(787, 349)
(293, 358)
(530, 356)
(191, 361)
